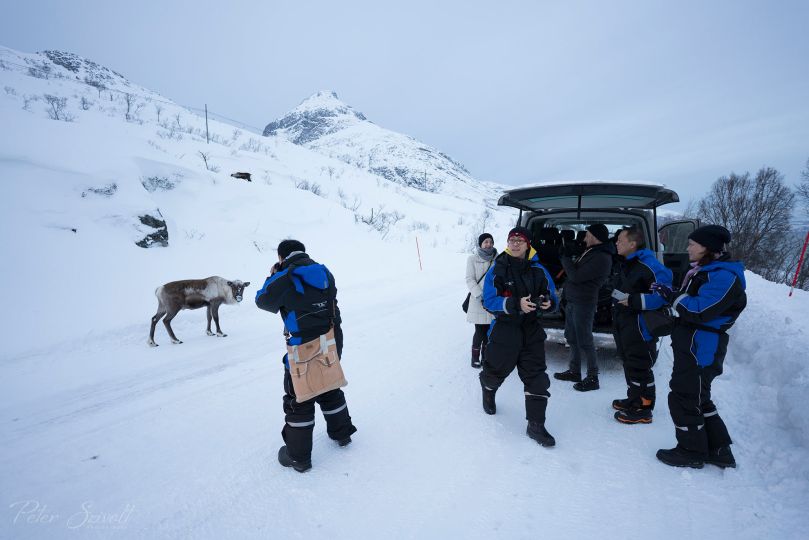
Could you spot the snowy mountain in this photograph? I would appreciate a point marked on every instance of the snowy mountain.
(327, 125)
(105, 437)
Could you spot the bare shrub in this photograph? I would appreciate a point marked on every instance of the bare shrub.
(380, 220)
(133, 107)
(208, 165)
(309, 186)
(85, 103)
(104, 191)
(419, 226)
(56, 108)
(154, 183)
(252, 145)
(26, 101)
(10, 91)
(353, 205)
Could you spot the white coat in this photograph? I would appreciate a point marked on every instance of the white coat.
(476, 267)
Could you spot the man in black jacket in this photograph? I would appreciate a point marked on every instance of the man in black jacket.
(636, 345)
(585, 277)
(305, 294)
(516, 290)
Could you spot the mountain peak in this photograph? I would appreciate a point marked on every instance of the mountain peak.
(325, 101)
(319, 114)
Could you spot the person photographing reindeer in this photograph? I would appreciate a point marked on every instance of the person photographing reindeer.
(305, 294)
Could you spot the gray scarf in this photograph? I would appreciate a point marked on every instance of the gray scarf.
(487, 254)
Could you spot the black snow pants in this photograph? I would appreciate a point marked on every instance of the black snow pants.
(698, 426)
(520, 345)
(638, 356)
(300, 417)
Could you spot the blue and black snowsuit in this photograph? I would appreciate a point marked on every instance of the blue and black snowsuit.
(636, 346)
(517, 339)
(305, 294)
(712, 299)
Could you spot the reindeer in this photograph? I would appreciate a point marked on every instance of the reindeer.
(193, 294)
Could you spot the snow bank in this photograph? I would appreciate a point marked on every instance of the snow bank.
(771, 339)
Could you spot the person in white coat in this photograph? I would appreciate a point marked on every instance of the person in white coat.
(476, 267)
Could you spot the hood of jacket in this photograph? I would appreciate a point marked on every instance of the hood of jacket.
(735, 267)
(307, 271)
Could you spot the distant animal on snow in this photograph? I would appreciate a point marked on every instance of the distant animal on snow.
(242, 175)
(210, 292)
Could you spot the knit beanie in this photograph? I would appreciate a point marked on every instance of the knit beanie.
(712, 237)
(599, 230)
(521, 232)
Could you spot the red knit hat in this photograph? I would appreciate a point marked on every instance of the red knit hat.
(520, 232)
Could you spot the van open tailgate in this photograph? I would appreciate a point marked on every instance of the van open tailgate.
(587, 196)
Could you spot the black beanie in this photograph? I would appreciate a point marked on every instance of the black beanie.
(483, 237)
(522, 232)
(712, 237)
(288, 246)
(599, 230)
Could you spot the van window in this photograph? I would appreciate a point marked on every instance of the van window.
(674, 236)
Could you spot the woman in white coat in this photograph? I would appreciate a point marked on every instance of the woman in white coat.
(476, 267)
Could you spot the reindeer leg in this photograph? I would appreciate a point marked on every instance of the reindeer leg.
(157, 316)
(208, 331)
(167, 322)
(215, 309)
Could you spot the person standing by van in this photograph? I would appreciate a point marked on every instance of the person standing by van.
(477, 265)
(517, 290)
(636, 346)
(585, 277)
(710, 300)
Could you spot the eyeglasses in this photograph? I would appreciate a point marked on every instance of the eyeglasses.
(516, 241)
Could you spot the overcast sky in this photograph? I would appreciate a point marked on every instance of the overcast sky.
(677, 92)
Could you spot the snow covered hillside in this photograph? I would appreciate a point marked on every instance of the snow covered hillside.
(327, 125)
(105, 437)
(123, 166)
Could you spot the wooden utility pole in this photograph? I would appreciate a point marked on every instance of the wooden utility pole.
(207, 137)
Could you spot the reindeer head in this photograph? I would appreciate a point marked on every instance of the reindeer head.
(237, 288)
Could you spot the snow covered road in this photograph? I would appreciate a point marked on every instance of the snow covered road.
(180, 441)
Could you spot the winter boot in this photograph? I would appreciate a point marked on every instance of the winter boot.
(590, 383)
(640, 415)
(567, 376)
(287, 461)
(622, 404)
(721, 457)
(538, 432)
(475, 357)
(344, 442)
(680, 457)
(489, 406)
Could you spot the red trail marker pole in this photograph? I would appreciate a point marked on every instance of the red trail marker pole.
(800, 263)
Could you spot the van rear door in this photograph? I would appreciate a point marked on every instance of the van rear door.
(674, 238)
(588, 196)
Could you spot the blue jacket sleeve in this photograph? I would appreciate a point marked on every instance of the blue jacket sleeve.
(711, 301)
(649, 301)
(493, 302)
(271, 296)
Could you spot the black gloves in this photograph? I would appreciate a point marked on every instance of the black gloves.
(665, 291)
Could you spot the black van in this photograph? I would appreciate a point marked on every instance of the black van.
(557, 212)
